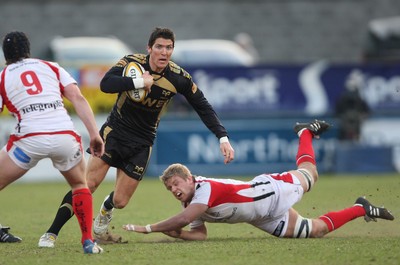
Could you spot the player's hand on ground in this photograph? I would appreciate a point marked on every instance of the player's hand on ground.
(135, 228)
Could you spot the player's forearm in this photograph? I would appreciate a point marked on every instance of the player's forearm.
(171, 224)
(112, 83)
(86, 115)
(187, 235)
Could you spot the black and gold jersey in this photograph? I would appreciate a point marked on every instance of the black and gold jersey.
(138, 121)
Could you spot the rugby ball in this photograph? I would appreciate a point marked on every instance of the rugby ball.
(134, 71)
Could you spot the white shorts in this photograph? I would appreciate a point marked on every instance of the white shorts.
(64, 150)
(287, 195)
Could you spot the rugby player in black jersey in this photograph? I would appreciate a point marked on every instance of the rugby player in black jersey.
(131, 126)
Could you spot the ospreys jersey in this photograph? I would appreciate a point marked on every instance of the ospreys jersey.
(138, 121)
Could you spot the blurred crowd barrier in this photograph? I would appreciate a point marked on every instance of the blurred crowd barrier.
(259, 106)
(270, 90)
(262, 146)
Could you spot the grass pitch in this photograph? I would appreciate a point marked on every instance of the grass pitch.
(29, 209)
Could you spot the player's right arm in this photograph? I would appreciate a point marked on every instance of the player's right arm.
(173, 225)
(85, 113)
(114, 81)
(195, 233)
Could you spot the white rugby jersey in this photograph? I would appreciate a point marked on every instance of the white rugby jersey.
(233, 201)
(31, 90)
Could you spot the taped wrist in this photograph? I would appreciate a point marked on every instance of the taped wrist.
(223, 140)
(148, 228)
(138, 82)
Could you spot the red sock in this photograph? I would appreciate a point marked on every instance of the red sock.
(334, 220)
(305, 153)
(82, 203)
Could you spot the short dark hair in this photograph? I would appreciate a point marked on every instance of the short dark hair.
(164, 33)
(16, 47)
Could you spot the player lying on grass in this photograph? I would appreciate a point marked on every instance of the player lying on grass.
(264, 202)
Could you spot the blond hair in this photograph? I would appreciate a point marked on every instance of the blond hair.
(175, 170)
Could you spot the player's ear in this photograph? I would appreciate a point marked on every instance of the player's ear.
(190, 179)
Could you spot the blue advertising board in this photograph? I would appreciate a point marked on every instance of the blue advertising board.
(260, 146)
(310, 89)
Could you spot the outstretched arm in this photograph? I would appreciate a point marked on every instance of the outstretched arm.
(207, 114)
(196, 233)
(226, 149)
(85, 113)
(173, 225)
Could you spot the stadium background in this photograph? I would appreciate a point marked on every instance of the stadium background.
(306, 48)
(289, 31)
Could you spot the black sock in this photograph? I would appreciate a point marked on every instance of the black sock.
(108, 204)
(64, 213)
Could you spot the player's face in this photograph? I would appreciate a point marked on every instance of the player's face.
(160, 54)
(182, 189)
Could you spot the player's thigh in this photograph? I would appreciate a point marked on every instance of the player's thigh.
(65, 151)
(9, 171)
(76, 175)
(96, 171)
(125, 187)
(293, 215)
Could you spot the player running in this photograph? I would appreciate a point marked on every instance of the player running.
(131, 128)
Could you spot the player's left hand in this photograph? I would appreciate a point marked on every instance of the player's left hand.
(97, 146)
(135, 228)
(227, 151)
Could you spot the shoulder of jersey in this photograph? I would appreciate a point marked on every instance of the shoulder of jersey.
(133, 70)
(178, 70)
(137, 57)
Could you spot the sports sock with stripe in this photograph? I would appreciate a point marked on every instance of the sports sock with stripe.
(334, 220)
(305, 153)
(82, 203)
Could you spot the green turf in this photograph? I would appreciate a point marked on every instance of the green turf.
(29, 209)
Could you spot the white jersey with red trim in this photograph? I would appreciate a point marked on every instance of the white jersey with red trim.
(31, 90)
(255, 201)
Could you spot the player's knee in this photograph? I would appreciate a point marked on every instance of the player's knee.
(303, 227)
(319, 229)
(120, 203)
(92, 185)
(310, 175)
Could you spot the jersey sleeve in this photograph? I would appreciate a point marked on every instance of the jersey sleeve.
(66, 78)
(202, 196)
(200, 104)
(113, 81)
